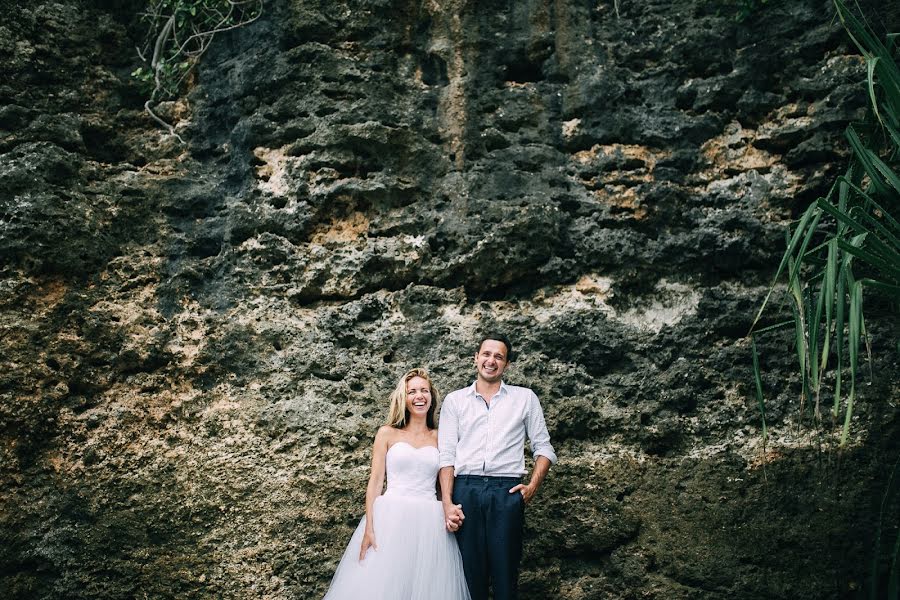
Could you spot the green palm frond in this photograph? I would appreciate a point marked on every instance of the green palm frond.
(846, 244)
(845, 247)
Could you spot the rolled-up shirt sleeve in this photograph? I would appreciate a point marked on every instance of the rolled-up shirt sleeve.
(448, 433)
(535, 428)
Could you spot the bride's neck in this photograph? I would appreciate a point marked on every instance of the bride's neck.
(417, 425)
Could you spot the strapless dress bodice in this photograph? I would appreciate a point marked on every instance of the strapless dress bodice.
(411, 471)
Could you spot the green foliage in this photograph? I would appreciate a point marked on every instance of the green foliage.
(846, 243)
(178, 33)
(145, 77)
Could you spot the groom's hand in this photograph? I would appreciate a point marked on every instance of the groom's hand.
(526, 490)
(453, 517)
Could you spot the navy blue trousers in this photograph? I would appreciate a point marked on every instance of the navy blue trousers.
(490, 539)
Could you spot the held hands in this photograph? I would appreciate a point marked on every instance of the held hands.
(367, 541)
(526, 490)
(453, 517)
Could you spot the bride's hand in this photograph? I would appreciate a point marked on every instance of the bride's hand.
(453, 517)
(367, 541)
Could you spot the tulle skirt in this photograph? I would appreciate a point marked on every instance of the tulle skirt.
(416, 559)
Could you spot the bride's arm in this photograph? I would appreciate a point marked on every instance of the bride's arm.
(375, 487)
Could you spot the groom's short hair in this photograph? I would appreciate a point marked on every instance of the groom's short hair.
(497, 337)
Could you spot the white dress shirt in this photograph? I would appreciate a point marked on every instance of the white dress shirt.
(480, 439)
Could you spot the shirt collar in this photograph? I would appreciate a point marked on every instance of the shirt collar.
(471, 389)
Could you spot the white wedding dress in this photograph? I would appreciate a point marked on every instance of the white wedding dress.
(416, 559)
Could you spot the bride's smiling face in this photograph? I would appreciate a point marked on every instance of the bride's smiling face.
(418, 396)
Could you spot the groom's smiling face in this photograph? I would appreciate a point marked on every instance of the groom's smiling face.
(491, 360)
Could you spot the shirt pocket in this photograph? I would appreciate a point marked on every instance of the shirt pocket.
(471, 420)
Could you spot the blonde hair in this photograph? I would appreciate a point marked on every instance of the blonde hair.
(398, 414)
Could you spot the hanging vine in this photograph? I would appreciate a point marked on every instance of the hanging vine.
(178, 33)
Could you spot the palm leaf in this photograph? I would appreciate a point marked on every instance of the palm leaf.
(845, 230)
(792, 246)
(757, 377)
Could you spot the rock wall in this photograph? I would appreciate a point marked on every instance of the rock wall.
(198, 341)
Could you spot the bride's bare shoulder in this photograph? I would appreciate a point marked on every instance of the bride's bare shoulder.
(386, 434)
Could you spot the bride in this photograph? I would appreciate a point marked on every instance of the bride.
(401, 549)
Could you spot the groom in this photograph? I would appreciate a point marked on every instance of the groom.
(482, 439)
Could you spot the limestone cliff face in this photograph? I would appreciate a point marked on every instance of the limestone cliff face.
(198, 341)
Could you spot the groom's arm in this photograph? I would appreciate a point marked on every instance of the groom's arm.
(544, 455)
(541, 467)
(445, 477)
(448, 436)
(453, 514)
